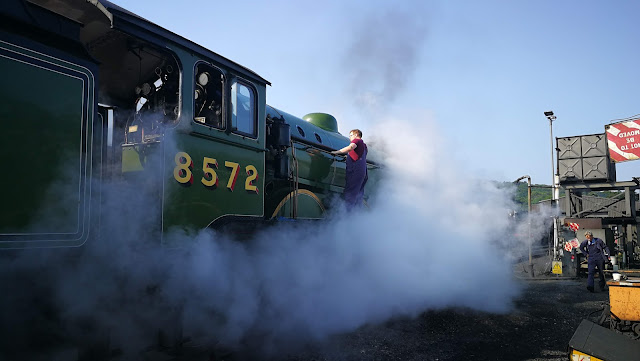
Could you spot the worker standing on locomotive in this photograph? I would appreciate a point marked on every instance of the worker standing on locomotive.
(356, 176)
(597, 252)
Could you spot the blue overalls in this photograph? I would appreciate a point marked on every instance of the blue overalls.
(356, 178)
(597, 250)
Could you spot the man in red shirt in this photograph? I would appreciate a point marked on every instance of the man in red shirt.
(356, 177)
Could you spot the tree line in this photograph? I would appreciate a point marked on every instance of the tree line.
(541, 192)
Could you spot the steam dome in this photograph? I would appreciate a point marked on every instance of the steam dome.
(323, 120)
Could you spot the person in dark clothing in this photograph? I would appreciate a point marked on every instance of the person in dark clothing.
(596, 252)
(356, 176)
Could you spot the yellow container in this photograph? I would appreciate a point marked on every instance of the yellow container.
(579, 356)
(624, 299)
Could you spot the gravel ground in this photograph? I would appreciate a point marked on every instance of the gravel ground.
(538, 329)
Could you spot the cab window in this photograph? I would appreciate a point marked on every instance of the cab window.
(243, 109)
(208, 96)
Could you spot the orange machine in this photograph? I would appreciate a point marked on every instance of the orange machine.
(624, 303)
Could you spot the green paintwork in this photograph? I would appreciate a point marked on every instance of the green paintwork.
(315, 167)
(323, 120)
(195, 205)
(308, 132)
(47, 121)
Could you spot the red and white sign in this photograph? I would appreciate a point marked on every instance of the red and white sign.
(568, 246)
(624, 140)
(575, 243)
(573, 226)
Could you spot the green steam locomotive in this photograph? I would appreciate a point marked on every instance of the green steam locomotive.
(93, 93)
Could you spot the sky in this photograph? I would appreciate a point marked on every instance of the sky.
(483, 71)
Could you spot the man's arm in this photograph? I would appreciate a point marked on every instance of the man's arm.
(605, 248)
(583, 247)
(345, 150)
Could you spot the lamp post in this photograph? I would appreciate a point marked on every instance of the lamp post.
(551, 117)
(549, 114)
(528, 220)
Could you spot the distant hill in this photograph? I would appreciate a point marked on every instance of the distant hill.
(541, 192)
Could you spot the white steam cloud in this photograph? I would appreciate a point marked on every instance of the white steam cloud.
(427, 242)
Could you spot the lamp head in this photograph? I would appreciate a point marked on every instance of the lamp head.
(548, 113)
